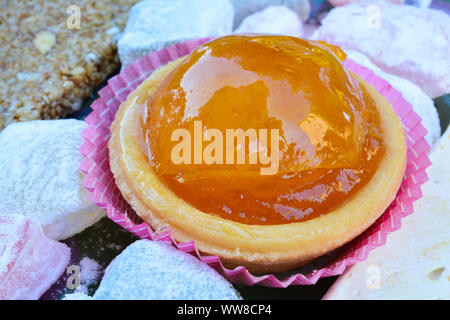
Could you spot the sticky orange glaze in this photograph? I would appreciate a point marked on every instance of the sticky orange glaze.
(329, 133)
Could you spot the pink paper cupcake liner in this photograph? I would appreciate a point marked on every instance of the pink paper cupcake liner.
(99, 180)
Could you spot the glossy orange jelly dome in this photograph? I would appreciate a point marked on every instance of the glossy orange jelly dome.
(329, 137)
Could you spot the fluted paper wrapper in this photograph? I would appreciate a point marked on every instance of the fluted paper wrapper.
(99, 180)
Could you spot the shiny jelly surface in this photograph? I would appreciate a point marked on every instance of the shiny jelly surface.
(329, 137)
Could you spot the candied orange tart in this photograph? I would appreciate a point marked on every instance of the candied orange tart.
(263, 150)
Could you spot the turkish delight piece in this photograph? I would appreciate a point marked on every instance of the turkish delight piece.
(274, 20)
(152, 270)
(77, 296)
(338, 3)
(409, 42)
(29, 261)
(40, 176)
(245, 8)
(155, 24)
(421, 103)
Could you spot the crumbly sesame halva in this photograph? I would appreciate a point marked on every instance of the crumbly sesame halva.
(48, 64)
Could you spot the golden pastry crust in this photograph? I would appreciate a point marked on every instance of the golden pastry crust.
(260, 248)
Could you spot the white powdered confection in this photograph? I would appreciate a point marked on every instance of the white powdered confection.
(274, 20)
(29, 261)
(422, 104)
(419, 3)
(415, 262)
(406, 41)
(39, 176)
(77, 296)
(90, 272)
(155, 24)
(244, 8)
(151, 270)
(338, 3)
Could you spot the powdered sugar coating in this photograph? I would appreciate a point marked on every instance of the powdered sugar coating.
(148, 270)
(155, 24)
(29, 262)
(77, 296)
(39, 176)
(273, 20)
(406, 41)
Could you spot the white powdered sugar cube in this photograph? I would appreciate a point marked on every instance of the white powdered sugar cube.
(151, 270)
(40, 176)
(244, 8)
(77, 296)
(274, 20)
(409, 42)
(155, 24)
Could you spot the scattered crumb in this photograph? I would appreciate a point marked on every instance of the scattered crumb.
(90, 273)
